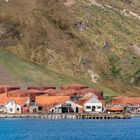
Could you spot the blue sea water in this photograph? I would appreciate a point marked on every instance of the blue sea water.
(29, 129)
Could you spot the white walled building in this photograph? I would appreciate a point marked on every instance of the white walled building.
(93, 105)
(76, 108)
(12, 107)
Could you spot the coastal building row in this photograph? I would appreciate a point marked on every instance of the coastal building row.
(72, 98)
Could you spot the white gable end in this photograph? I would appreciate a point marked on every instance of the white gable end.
(12, 107)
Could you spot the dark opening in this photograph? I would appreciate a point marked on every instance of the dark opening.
(65, 110)
(77, 110)
(39, 108)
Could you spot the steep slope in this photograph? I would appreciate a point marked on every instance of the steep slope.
(117, 36)
(14, 70)
(129, 5)
(96, 40)
(47, 30)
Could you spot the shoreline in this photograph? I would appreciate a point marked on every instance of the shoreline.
(67, 116)
(135, 116)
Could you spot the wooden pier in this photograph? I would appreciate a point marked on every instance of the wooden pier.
(104, 116)
(67, 116)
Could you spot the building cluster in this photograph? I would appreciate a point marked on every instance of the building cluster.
(71, 98)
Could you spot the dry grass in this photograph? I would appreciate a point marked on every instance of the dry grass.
(44, 33)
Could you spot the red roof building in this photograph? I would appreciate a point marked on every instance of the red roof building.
(50, 101)
(31, 93)
(122, 100)
(115, 108)
(68, 92)
(41, 88)
(19, 100)
(7, 88)
(51, 92)
(73, 86)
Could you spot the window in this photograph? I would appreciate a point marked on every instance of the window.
(17, 109)
(68, 105)
(99, 107)
(11, 109)
(88, 107)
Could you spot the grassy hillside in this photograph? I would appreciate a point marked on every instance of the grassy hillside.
(27, 73)
(115, 34)
(132, 5)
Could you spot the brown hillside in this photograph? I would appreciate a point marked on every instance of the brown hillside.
(79, 38)
(43, 32)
